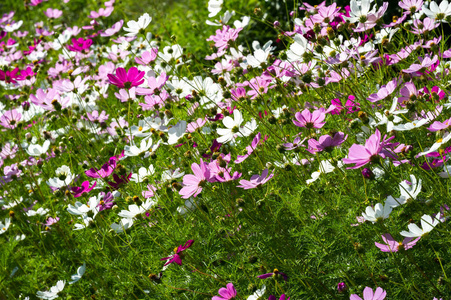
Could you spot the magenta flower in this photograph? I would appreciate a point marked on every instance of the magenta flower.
(283, 297)
(84, 189)
(361, 155)
(276, 273)
(351, 106)
(104, 171)
(310, 120)
(368, 294)
(194, 183)
(393, 246)
(341, 287)
(79, 44)
(9, 76)
(124, 79)
(256, 180)
(177, 257)
(226, 293)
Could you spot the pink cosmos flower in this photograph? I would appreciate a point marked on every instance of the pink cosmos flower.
(103, 12)
(310, 120)
(411, 5)
(250, 149)
(193, 183)
(227, 293)
(368, 294)
(384, 91)
(436, 126)
(124, 79)
(425, 63)
(53, 13)
(177, 257)
(361, 155)
(10, 119)
(393, 246)
(326, 142)
(223, 36)
(296, 143)
(256, 180)
(426, 25)
(84, 189)
(325, 14)
(113, 29)
(147, 57)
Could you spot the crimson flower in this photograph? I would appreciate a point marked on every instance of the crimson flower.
(124, 79)
(177, 257)
(79, 44)
(105, 171)
(9, 76)
(275, 273)
(80, 191)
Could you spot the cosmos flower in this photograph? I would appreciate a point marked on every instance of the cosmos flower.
(177, 257)
(227, 293)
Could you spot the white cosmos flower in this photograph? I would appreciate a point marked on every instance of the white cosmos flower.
(411, 125)
(168, 175)
(134, 27)
(388, 117)
(40, 212)
(124, 224)
(176, 132)
(408, 192)
(258, 293)
(144, 146)
(427, 224)
(53, 293)
(4, 226)
(143, 173)
(37, 150)
(379, 212)
(298, 48)
(436, 145)
(233, 128)
(214, 7)
(324, 167)
(134, 210)
(437, 12)
(12, 27)
(80, 271)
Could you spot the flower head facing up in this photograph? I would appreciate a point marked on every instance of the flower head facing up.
(177, 257)
(361, 155)
(127, 80)
(310, 120)
(227, 293)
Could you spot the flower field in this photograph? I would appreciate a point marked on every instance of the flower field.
(250, 155)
